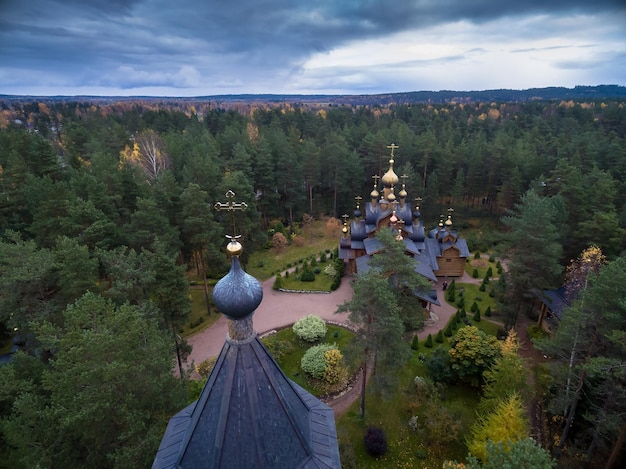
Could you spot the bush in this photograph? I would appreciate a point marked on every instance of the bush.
(330, 270)
(415, 345)
(488, 311)
(474, 307)
(429, 341)
(448, 331)
(375, 441)
(439, 337)
(498, 265)
(482, 287)
(492, 258)
(336, 371)
(317, 270)
(278, 282)
(307, 275)
(314, 360)
(310, 328)
(477, 255)
(489, 272)
(475, 273)
(476, 316)
(286, 274)
(205, 367)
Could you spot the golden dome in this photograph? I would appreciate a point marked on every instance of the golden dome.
(403, 193)
(390, 178)
(234, 248)
(374, 194)
(449, 221)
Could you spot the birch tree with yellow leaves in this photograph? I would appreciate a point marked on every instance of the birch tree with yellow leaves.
(147, 153)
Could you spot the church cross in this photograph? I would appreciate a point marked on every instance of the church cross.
(417, 202)
(231, 206)
(376, 177)
(393, 146)
(358, 199)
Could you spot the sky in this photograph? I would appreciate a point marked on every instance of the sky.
(216, 47)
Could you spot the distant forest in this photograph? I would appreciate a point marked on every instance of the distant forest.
(286, 159)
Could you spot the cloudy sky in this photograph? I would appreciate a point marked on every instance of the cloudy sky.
(213, 47)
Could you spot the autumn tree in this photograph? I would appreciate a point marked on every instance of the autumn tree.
(147, 153)
(472, 352)
(507, 422)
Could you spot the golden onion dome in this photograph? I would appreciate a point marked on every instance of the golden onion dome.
(449, 221)
(374, 194)
(391, 197)
(403, 192)
(390, 178)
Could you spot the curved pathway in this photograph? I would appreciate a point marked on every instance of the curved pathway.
(280, 309)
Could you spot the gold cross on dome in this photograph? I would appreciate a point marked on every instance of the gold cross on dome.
(358, 199)
(376, 177)
(231, 206)
(393, 146)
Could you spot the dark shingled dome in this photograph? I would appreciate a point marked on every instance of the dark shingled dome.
(237, 294)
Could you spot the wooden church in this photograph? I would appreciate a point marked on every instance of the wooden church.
(440, 253)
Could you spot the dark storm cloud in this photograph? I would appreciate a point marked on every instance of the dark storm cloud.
(125, 44)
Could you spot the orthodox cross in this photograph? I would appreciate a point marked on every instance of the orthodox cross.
(345, 218)
(450, 210)
(231, 206)
(358, 199)
(393, 146)
(417, 202)
(376, 177)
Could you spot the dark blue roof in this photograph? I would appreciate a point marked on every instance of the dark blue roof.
(556, 300)
(250, 415)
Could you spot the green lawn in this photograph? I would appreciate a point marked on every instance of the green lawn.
(288, 350)
(264, 264)
(472, 294)
(406, 450)
(482, 266)
(198, 319)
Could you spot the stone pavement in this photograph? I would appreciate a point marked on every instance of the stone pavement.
(280, 309)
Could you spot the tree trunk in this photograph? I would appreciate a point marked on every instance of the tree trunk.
(363, 382)
(570, 417)
(617, 447)
(178, 357)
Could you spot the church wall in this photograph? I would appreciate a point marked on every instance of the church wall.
(450, 266)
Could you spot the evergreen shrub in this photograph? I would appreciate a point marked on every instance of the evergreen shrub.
(429, 341)
(439, 337)
(475, 273)
(375, 441)
(488, 311)
(307, 275)
(415, 343)
(477, 316)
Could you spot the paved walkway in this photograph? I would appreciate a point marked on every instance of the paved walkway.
(280, 309)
